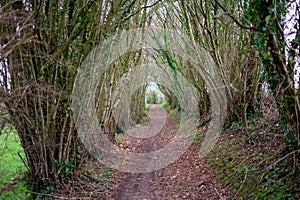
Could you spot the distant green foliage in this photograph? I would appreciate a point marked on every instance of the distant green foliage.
(152, 98)
(146, 105)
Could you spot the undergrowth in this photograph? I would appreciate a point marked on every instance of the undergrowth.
(174, 112)
(93, 181)
(254, 165)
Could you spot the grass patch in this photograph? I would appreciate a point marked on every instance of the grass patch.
(12, 169)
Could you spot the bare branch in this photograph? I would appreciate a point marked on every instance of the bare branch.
(233, 18)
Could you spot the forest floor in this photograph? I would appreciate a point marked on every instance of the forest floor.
(237, 168)
(189, 177)
(253, 166)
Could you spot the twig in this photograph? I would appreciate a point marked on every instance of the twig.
(278, 161)
(241, 184)
(222, 198)
(139, 10)
(233, 18)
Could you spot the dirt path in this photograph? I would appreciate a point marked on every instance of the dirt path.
(187, 178)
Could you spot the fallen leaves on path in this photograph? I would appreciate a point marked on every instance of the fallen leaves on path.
(187, 178)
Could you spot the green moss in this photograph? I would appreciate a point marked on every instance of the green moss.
(245, 169)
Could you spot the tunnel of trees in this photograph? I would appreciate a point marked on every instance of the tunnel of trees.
(44, 43)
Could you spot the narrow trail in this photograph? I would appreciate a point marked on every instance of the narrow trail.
(187, 178)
